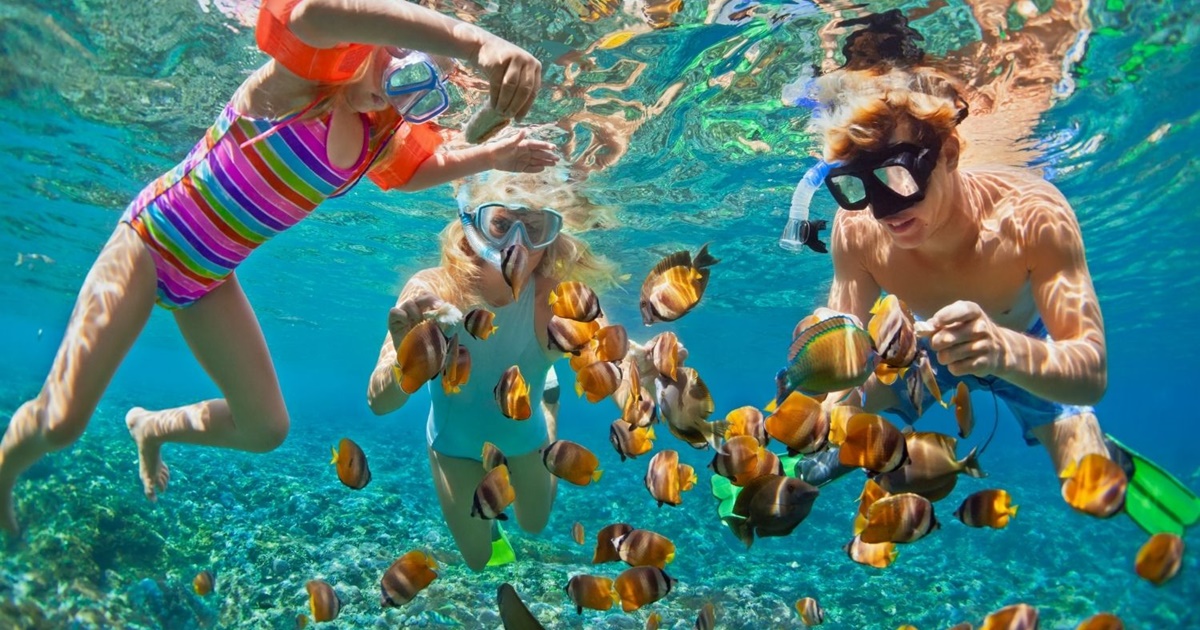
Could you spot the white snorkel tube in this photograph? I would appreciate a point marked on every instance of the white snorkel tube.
(799, 232)
(482, 247)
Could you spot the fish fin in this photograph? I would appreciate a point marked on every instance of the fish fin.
(650, 434)
(333, 460)
(878, 303)
(1012, 510)
(771, 406)
(1069, 471)
(614, 595)
(578, 389)
(553, 298)
(886, 374)
(596, 475)
(678, 259)
(703, 258)
(502, 517)
(971, 464)
(892, 555)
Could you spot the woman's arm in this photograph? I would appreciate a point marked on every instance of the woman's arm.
(514, 153)
(383, 392)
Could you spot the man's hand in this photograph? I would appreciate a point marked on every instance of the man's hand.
(967, 341)
(406, 315)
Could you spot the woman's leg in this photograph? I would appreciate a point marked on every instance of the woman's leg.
(110, 312)
(226, 339)
(535, 488)
(456, 479)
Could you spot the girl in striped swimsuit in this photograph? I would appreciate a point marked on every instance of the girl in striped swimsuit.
(339, 99)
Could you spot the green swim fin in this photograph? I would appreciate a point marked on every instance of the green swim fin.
(1155, 499)
(502, 551)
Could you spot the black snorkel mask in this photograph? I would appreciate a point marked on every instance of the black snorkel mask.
(890, 180)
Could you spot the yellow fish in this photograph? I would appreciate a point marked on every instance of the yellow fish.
(675, 285)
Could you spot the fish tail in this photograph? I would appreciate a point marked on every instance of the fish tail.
(703, 258)
(781, 388)
(553, 298)
(333, 460)
(1012, 511)
(578, 388)
(971, 464)
(596, 475)
(650, 434)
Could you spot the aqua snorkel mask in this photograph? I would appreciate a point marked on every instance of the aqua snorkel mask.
(413, 85)
(494, 226)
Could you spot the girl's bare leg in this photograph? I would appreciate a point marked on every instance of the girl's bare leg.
(535, 489)
(110, 312)
(456, 479)
(225, 337)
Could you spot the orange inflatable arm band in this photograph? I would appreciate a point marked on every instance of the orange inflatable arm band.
(326, 65)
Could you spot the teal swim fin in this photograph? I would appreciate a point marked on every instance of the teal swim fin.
(1155, 499)
(502, 551)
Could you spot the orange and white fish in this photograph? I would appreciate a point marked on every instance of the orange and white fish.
(639, 586)
(577, 533)
(514, 263)
(664, 350)
(746, 420)
(667, 479)
(1159, 559)
(839, 416)
(202, 584)
(1102, 621)
(963, 414)
(1094, 485)
(738, 460)
(512, 395)
(986, 508)
(458, 367)
(933, 466)
(323, 601)
(575, 300)
(493, 495)
(406, 577)
(351, 461)
(878, 555)
(571, 462)
(611, 343)
(800, 423)
(591, 592)
(685, 405)
(873, 443)
(810, 611)
(568, 335)
(605, 551)
(892, 329)
(492, 457)
(642, 547)
(871, 493)
(630, 441)
(420, 356)
(899, 518)
(478, 323)
(771, 505)
(1015, 617)
(598, 380)
(675, 285)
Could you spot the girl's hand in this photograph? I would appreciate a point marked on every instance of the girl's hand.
(406, 315)
(967, 341)
(518, 154)
(514, 74)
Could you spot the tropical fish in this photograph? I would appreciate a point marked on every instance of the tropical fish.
(707, 619)
(666, 478)
(484, 124)
(323, 601)
(611, 342)
(675, 285)
(421, 355)
(637, 408)
(932, 469)
(638, 586)
(589, 591)
(892, 329)
(664, 354)
(203, 583)
(872, 443)
(832, 355)
(871, 493)
(1102, 621)
(493, 495)
(301, 621)
(629, 441)
(737, 460)
(407, 576)
(478, 323)
(878, 555)
(514, 263)
(568, 335)
(768, 464)
(921, 379)
(800, 423)
(653, 621)
(642, 547)
(1015, 617)
(986, 508)
(598, 380)
(810, 612)
(492, 457)
(771, 505)
(685, 404)
(838, 417)
(963, 413)
(585, 357)
(575, 300)
(351, 461)
(571, 462)
(746, 420)
(899, 518)
(512, 395)
(605, 551)
(514, 614)
(1095, 485)
(458, 367)
(1158, 560)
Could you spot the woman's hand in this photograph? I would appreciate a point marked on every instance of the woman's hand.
(967, 341)
(406, 315)
(514, 74)
(518, 154)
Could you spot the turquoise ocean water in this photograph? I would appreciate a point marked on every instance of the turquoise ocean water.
(98, 97)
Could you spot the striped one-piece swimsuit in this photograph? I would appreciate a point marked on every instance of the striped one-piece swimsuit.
(204, 217)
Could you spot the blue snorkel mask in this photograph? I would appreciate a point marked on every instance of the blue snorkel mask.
(494, 226)
(413, 85)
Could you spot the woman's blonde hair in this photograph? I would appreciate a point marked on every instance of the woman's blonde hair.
(567, 258)
(860, 110)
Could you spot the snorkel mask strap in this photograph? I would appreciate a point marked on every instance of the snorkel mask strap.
(482, 247)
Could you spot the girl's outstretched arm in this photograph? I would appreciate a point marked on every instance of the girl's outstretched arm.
(514, 153)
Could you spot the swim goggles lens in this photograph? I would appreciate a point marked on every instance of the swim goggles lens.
(503, 224)
(413, 86)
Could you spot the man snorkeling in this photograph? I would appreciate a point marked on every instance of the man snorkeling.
(992, 259)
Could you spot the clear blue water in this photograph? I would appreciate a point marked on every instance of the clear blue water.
(81, 131)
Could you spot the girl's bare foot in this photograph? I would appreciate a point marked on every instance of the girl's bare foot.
(153, 471)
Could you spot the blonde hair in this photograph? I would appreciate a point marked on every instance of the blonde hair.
(861, 109)
(567, 258)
